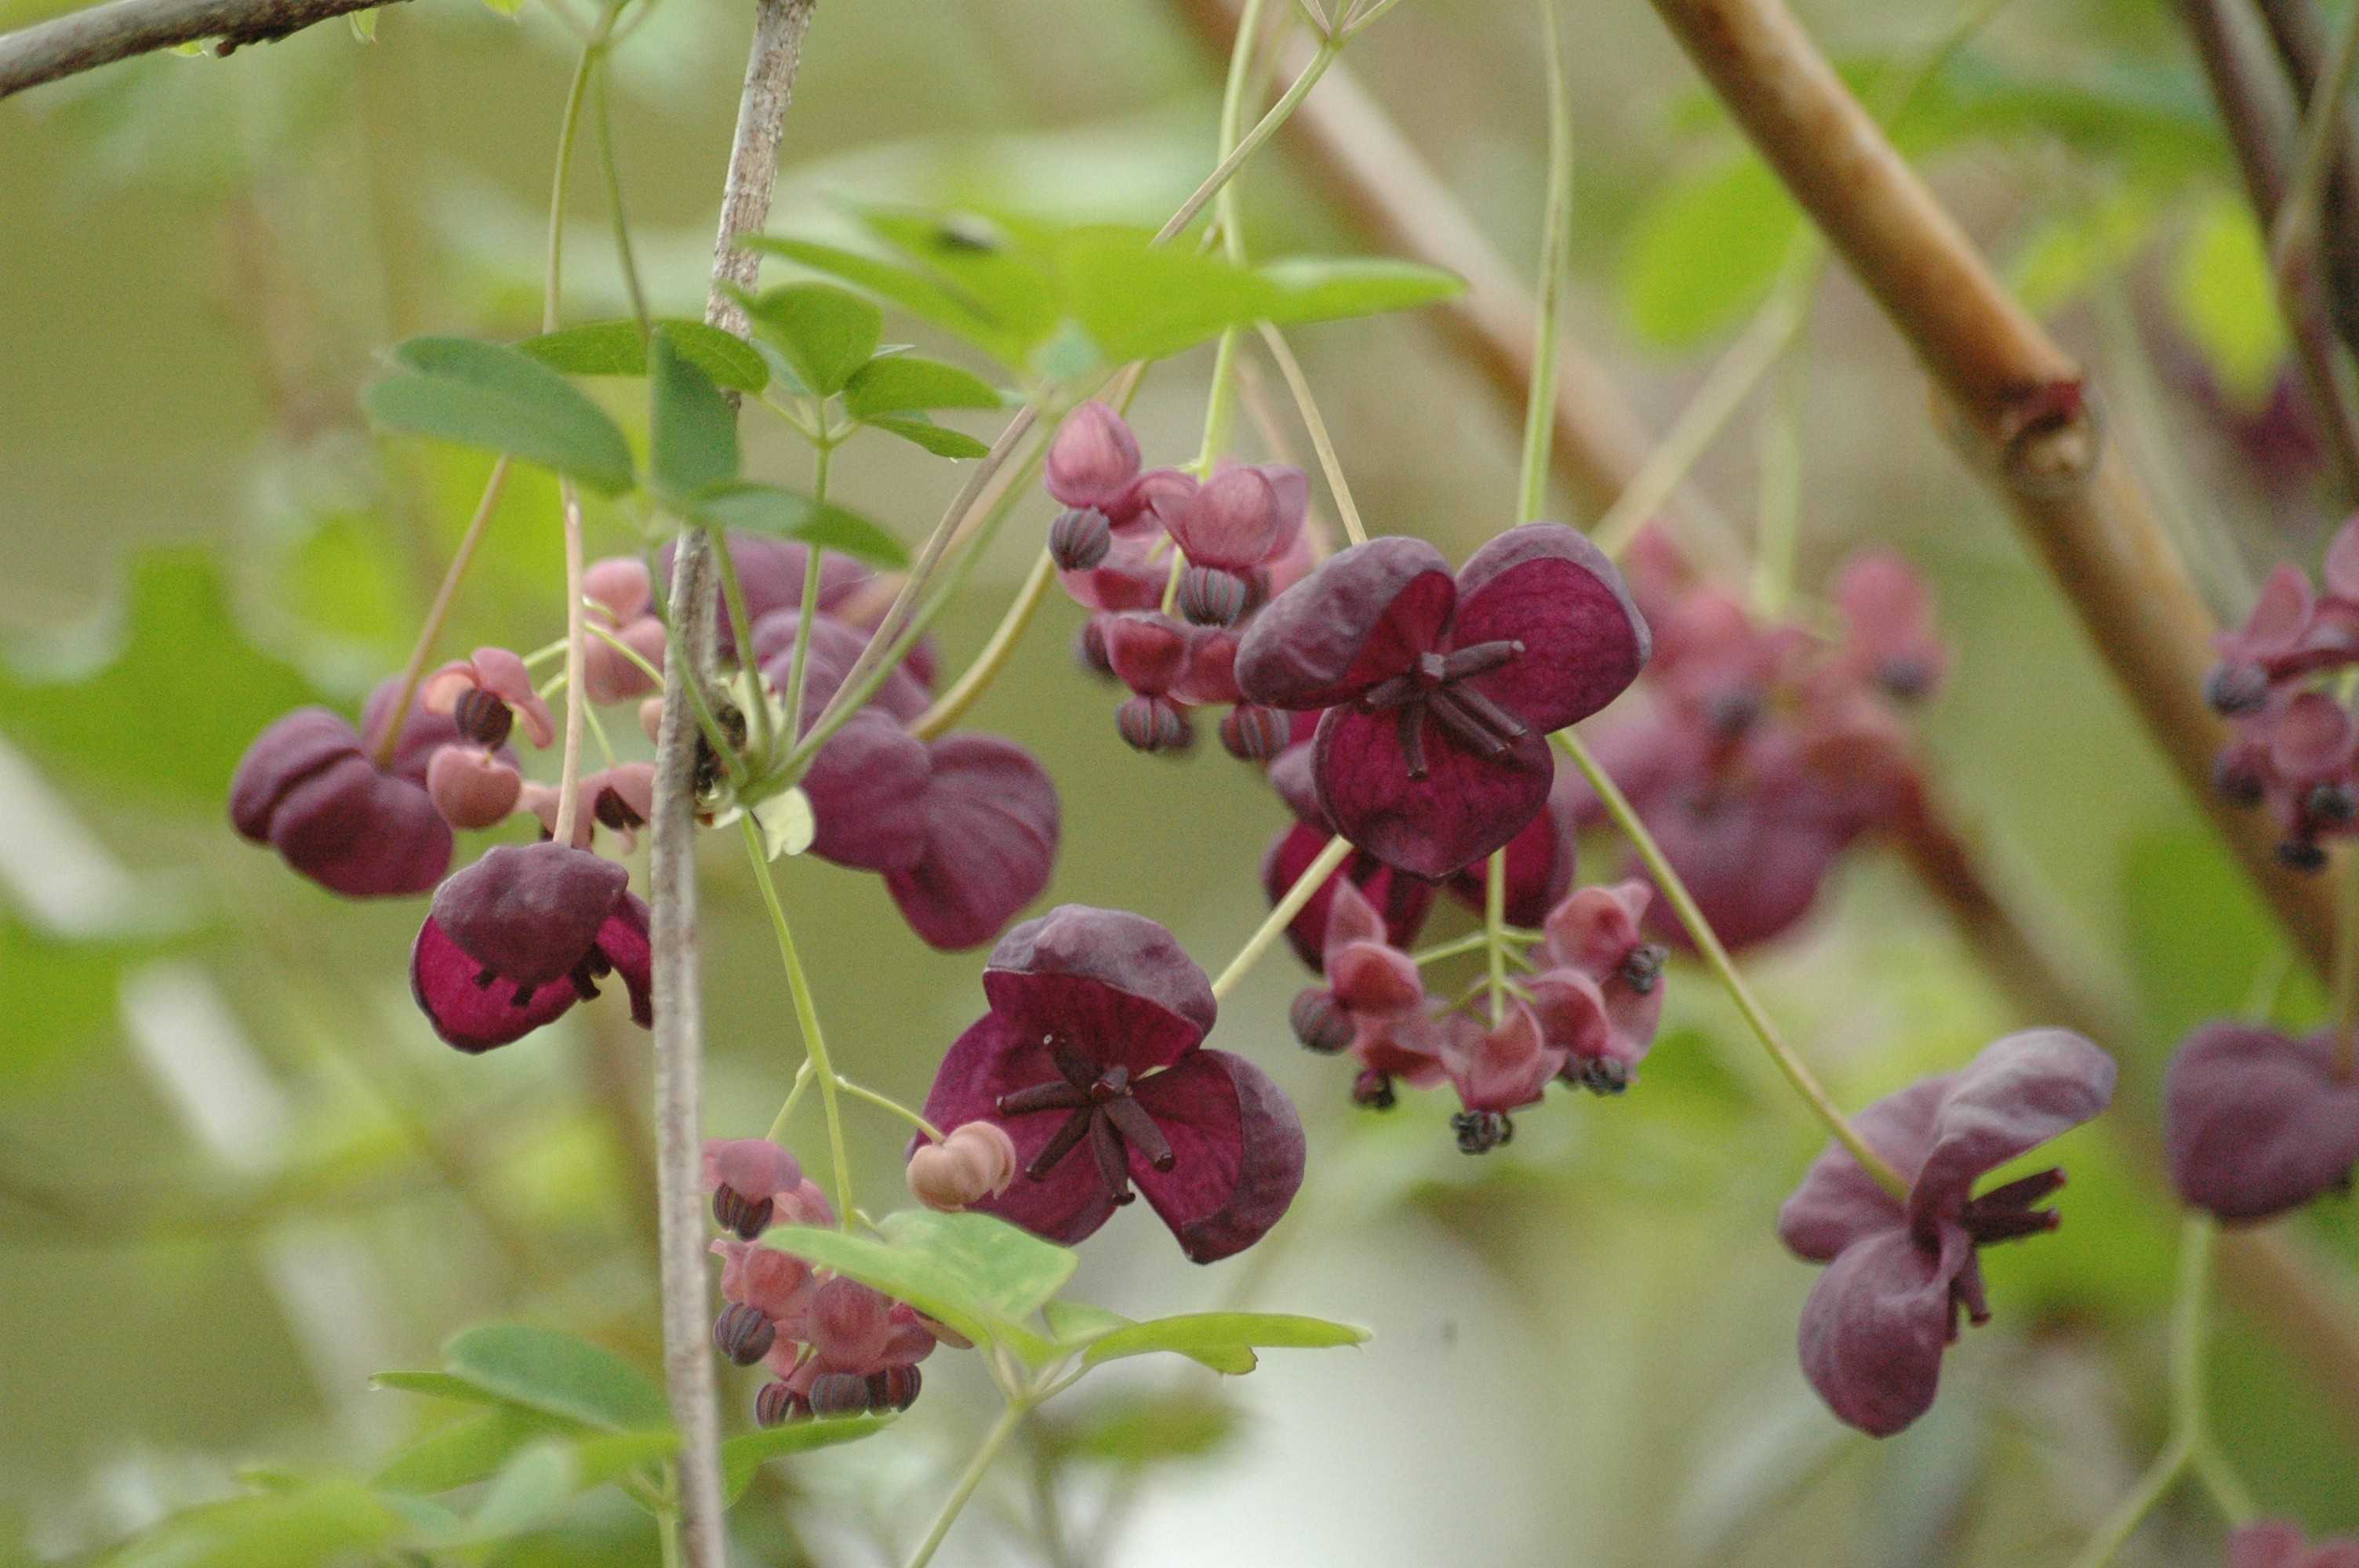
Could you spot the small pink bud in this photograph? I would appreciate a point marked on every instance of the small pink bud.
(609, 675)
(472, 789)
(1093, 457)
(651, 717)
(621, 584)
(850, 1323)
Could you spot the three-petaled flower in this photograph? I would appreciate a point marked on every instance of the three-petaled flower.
(1441, 693)
(1091, 1061)
(1900, 1272)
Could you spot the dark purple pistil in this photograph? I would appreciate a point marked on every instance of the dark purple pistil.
(1436, 685)
(1103, 1113)
(2005, 1214)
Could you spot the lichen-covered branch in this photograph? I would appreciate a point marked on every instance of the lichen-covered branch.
(84, 40)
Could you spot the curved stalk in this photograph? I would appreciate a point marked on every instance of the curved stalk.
(1314, 876)
(951, 705)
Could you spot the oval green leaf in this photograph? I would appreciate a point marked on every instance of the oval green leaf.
(616, 348)
(693, 430)
(826, 333)
(750, 507)
(939, 440)
(742, 1456)
(903, 384)
(557, 1374)
(1195, 1334)
(502, 400)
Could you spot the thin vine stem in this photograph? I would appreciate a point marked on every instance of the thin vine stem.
(1279, 113)
(1556, 233)
(947, 708)
(1347, 510)
(438, 612)
(807, 615)
(1314, 876)
(995, 1439)
(1495, 927)
(2297, 224)
(1715, 955)
(886, 1102)
(804, 1077)
(806, 1017)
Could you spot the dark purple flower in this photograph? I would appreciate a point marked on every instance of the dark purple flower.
(771, 572)
(1402, 899)
(1091, 1060)
(1598, 991)
(2255, 1123)
(309, 787)
(519, 937)
(2274, 1543)
(964, 829)
(1441, 693)
(1898, 1274)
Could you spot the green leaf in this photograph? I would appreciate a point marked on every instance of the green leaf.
(1704, 253)
(321, 1523)
(2222, 293)
(1077, 1324)
(539, 1480)
(1196, 1334)
(939, 440)
(914, 292)
(1135, 1430)
(978, 1275)
(999, 267)
(691, 429)
(902, 384)
(465, 1450)
(174, 698)
(1321, 288)
(826, 333)
(500, 399)
(436, 1385)
(616, 348)
(555, 1374)
(749, 507)
(742, 1456)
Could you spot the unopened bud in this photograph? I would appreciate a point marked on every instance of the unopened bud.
(1253, 733)
(733, 1210)
(895, 1387)
(1080, 538)
(472, 789)
(1320, 1020)
(1211, 597)
(2237, 688)
(481, 716)
(1152, 724)
(838, 1394)
(743, 1333)
(776, 1404)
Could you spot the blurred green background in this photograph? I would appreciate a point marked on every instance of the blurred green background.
(238, 1174)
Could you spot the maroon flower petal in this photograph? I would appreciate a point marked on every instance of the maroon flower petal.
(290, 750)
(1402, 899)
(1466, 807)
(1503, 1068)
(864, 788)
(361, 833)
(1238, 1149)
(1359, 619)
(468, 1015)
(1116, 985)
(529, 913)
(422, 734)
(1874, 1327)
(2023, 1090)
(990, 818)
(834, 645)
(1755, 872)
(994, 1057)
(1547, 587)
(1541, 860)
(2255, 1123)
(624, 943)
(1838, 1203)
(1233, 521)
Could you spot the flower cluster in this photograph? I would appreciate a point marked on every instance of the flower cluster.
(1901, 1270)
(1092, 1063)
(1234, 540)
(2294, 749)
(1584, 1014)
(2273, 1543)
(833, 1345)
(1764, 750)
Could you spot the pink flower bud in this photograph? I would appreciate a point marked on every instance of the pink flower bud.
(1093, 457)
(621, 584)
(849, 1323)
(610, 676)
(472, 789)
(973, 1162)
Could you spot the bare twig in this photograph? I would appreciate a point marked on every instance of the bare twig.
(777, 54)
(2294, 28)
(102, 35)
(2022, 401)
(2257, 123)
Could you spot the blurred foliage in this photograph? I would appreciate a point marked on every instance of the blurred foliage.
(223, 1208)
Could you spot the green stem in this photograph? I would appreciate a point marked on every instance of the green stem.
(2187, 1328)
(1001, 1431)
(886, 1102)
(2296, 229)
(1219, 404)
(667, 1533)
(439, 611)
(618, 214)
(1346, 510)
(2234, 1499)
(1279, 113)
(1473, 941)
(779, 1123)
(1314, 876)
(1495, 925)
(2124, 1522)
(798, 666)
(1708, 944)
(1778, 534)
(806, 1017)
(948, 708)
(741, 630)
(1539, 407)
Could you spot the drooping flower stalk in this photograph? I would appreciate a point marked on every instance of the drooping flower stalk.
(1305, 886)
(1798, 1072)
(806, 1017)
(1556, 234)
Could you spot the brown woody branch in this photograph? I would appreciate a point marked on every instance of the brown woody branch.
(770, 72)
(102, 35)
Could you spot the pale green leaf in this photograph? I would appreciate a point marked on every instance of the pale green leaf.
(2222, 294)
(616, 348)
(1706, 251)
(691, 429)
(500, 399)
(940, 440)
(902, 384)
(557, 1374)
(749, 507)
(742, 1456)
(978, 1275)
(826, 333)
(1201, 1333)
